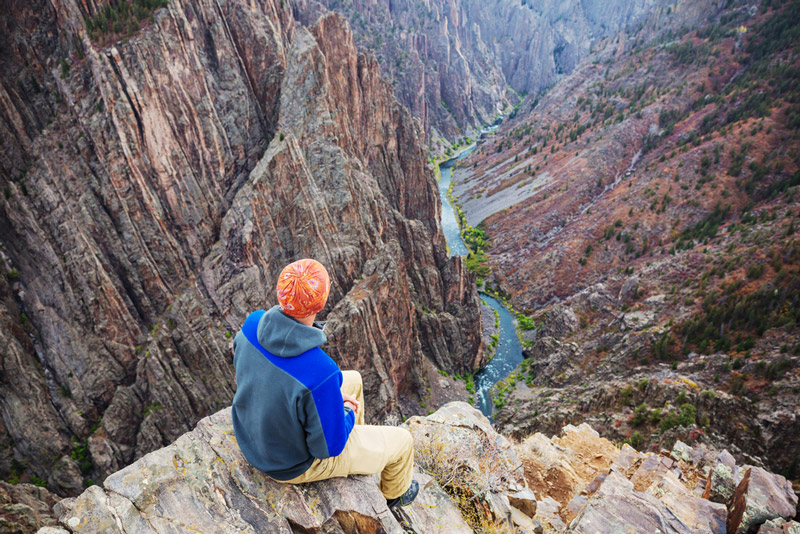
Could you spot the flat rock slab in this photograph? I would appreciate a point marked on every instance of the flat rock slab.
(547, 514)
(618, 508)
(723, 477)
(651, 470)
(203, 483)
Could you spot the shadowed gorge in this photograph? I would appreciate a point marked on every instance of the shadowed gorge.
(155, 186)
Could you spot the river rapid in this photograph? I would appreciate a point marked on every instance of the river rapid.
(509, 350)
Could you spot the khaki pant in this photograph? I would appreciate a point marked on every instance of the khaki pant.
(387, 450)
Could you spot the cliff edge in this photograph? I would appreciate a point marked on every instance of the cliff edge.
(473, 480)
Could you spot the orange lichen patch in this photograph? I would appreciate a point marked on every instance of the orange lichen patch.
(560, 468)
(363, 289)
(554, 482)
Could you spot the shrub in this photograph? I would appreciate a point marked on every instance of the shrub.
(465, 486)
(755, 271)
(625, 394)
(640, 415)
(776, 370)
(476, 262)
(152, 407)
(469, 383)
(525, 322)
(738, 386)
(80, 453)
(655, 416)
(687, 415)
(662, 348)
(668, 421)
(122, 18)
(636, 440)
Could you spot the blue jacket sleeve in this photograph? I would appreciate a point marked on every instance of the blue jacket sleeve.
(328, 422)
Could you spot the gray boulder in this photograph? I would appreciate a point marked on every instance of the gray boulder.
(760, 497)
(618, 507)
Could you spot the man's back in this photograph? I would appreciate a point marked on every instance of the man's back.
(288, 406)
(294, 410)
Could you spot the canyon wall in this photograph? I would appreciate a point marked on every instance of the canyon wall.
(643, 213)
(456, 64)
(155, 182)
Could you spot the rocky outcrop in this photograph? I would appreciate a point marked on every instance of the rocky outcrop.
(651, 404)
(471, 479)
(475, 464)
(154, 187)
(616, 505)
(780, 526)
(25, 508)
(593, 486)
(202, 482)
(761, 496)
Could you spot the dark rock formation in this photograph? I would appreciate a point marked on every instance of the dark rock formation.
(154, 187)
(452, 62)
(25, 508)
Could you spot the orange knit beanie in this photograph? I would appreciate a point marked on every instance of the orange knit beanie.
(303, 288)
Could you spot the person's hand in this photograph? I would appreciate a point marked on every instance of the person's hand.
(351, 402)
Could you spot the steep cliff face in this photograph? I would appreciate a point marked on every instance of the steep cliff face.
(433, 53)
(154, 187)
(457, 64)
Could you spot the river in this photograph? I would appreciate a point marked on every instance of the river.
(452, 233)
(509, 350)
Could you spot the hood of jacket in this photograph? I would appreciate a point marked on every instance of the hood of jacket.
(285, 336)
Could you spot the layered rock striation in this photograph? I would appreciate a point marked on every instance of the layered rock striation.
(156, 183)
(457, 64)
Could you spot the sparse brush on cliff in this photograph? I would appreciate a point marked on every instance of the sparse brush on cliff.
(466, 487)
(122, 18)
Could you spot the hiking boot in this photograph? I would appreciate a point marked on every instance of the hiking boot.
(406, 498)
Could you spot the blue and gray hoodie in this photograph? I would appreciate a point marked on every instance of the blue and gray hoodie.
(288, 406)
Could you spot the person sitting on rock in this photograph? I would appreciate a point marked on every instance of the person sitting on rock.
(296, 416)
